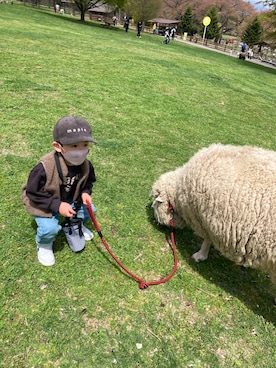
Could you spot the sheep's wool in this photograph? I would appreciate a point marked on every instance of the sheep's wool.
(227, 194)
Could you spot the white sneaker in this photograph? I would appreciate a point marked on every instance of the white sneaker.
(88, 235)
(45, 254)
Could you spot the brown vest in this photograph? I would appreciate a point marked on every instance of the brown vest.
(53, 183)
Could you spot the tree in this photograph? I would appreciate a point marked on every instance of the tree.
(268, 22)
(142, 10)
(269, 3)
(253, 32)
(233, 15)
(213, 30)
(84, 5)
(174, 9)
(187, 22)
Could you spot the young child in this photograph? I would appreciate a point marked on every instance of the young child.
(167, 36)
(46, 196)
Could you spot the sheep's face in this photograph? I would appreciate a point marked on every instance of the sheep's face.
(162, 212)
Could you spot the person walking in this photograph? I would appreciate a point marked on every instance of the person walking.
(126, 24)
(167, 36)
(139, 29)
(173, 33)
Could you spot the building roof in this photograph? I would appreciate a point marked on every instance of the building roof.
(101, 9)
(164, 21)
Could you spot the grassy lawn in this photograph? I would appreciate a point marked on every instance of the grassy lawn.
(151, 106)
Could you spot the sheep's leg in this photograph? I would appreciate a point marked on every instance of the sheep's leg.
(202, 254)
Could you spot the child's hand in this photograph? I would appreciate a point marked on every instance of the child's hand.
(86, 199)
(66, 210)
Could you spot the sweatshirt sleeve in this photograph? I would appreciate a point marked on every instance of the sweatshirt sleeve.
(36, 192)
(91, 179)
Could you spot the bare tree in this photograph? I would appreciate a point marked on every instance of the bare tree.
(233, 15)
(84, 5)
(143, 10)
(174, 9)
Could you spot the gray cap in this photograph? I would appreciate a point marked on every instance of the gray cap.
(72, 129)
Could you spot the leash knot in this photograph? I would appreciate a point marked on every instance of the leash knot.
(143, 285)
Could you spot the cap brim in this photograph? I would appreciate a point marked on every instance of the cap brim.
(81, 139)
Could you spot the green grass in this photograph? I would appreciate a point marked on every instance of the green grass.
(151, 106)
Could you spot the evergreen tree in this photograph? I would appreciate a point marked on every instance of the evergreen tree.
(213, 30)
(253, 32)
(187, 22)
(142, 9)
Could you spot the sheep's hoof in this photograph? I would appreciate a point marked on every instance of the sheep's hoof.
(199, 257)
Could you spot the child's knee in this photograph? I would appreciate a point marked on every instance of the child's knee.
(49, 229)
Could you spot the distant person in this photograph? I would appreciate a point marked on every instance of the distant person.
(114, 20)
(139, 29)
(243, 47)
(167, 36)
(260, 52)
(57, 8)
(126, 24)
(173, 33)
(154, 28)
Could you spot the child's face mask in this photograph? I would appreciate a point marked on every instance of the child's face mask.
(75, 157)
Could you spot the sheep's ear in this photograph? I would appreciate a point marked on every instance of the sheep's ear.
(158, 199)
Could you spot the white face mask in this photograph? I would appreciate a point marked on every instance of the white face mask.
(76, 157)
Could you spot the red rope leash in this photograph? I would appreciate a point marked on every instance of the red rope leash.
(142, 284)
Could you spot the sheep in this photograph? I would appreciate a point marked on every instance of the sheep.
(227, 195)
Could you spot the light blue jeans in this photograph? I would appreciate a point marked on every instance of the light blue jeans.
(48, 227)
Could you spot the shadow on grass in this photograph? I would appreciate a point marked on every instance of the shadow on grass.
(110, 260)
(250, 286)
(60, 243)
(77, 20)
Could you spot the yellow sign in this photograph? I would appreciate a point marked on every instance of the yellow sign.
(206, 21)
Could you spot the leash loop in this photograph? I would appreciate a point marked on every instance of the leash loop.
(142, 284)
